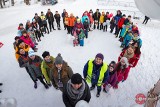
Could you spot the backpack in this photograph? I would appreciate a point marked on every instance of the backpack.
(153, 95)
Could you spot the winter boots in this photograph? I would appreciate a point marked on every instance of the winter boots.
(98, 94)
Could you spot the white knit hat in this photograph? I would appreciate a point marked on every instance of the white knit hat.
(125, 61)
(31, 52)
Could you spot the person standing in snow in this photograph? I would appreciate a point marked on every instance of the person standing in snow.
(46, 65)
(20, 29)
(44, 22)
(71, 23)
(16, 42)
(101, 20)
(75, 90)
(111, 82)
(60, 72)
(63, 16)
(58, 19)
(50, 18)
(86, 27)
(34, 68)
(145, 20)
(122, 70)
(96, 16)
(23, 61)
(117, 18)
(36, 30)
(106, 22)
(95, 72)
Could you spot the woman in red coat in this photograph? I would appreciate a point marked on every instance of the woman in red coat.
(137, 53)
(122, 70)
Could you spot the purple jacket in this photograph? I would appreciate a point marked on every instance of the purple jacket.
(112, 79)
(78, 26)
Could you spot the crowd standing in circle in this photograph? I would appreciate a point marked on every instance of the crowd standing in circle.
(55, 71)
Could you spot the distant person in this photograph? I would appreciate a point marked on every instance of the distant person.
(146, 20)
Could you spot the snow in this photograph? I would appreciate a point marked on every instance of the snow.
(17, 83)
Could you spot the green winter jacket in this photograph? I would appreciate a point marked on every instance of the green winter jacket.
(45, 67)
(81, 35)
(35, 67)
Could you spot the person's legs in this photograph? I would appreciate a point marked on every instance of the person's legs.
(92, 87)
(146, 21)
(98, 91)
(41, 80)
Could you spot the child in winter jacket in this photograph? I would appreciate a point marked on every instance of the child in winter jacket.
(137, 53)
(111, 82)
(20, 29)
(106, 22)
(122, 70)
(81, 37)
(127, 39)
(124, 31)
(86, 27)
(102, 20)
(112, 25)
(136, 38)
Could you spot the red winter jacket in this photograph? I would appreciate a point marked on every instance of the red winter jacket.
(121, 22)
(137, 57)
(131, 60)
(122, 74)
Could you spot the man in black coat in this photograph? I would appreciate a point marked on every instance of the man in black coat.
(58, 17)
(96, 17)
(50, 18)
(75, 90)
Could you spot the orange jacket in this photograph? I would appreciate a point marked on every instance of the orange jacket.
(71, 21)
(66, 21)
(26, 49)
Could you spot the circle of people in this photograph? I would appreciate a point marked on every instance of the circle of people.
(55, 71)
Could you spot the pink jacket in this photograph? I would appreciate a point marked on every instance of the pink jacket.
(27, 40)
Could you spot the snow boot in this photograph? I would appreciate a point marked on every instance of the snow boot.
(46, 86)
(35, 85)
(98, 94)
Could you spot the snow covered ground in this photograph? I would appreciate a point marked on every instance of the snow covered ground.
(17, 83)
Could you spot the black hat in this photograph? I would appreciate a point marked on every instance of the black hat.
(59, 59)
(45, 53)
(76, 78)
(17, 37)
(112, 64)
(20, 41)
(21, 24)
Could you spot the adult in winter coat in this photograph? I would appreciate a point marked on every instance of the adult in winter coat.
(96, 17)
(61, 72)
(145, 20)
(28, 25)
(44, 22)
(58, 17)
(95, 72)
(23, 61)
(46, 65)
(112, 25)
(20, 29)
(78, 25)
(71, 23)
(27, 40)
(63, 17)
(75, 90)
(22, 45)
(16, 42)
(50, 18)
(34, 67)
(112, 80)
(122, 70)
(129, 54)
(117, 18)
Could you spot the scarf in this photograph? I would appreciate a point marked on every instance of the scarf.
(75, 94)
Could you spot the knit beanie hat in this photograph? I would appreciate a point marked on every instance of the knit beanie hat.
(125, 60)
(31, 52)
(99, 55)
(59, 59)
(76, 78)
(45, 53)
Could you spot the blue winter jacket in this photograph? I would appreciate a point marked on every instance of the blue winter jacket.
(84, 18)
(127, 39)
(124, 31)
(116, 18)
(95, 73)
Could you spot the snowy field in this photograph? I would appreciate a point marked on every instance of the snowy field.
(17, 83)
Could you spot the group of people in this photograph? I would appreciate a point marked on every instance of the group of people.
(54, 71)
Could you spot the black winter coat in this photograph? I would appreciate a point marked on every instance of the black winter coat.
(69, 102)
(57, 17)
(97, 16)
(49, 17)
